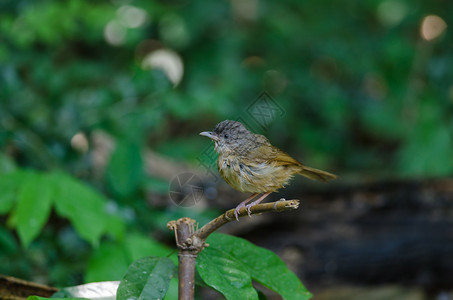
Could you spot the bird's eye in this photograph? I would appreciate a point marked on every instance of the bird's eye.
(226, 135)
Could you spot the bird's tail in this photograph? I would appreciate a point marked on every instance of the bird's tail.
(316, 174)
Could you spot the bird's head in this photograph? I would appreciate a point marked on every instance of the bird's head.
(230, 136)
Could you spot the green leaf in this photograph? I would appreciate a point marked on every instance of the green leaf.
(172, 292)
(225, 274)
(9, 184)
(8, 242)
(125, 171)
(115, 226)
(33, 208)
(146, 278)
(262, 265)
(138, 246)
(82, 205)
(109, 262)
(157, 185)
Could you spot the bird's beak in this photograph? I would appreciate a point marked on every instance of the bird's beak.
(210, 134)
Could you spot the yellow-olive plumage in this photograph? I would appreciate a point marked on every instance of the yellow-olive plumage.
(249, 163)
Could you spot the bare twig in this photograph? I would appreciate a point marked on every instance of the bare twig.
(15, 288)
(280, 205)
(191, 242)
(187, 254)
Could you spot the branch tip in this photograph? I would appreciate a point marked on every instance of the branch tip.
(191, 240)
(171, 225)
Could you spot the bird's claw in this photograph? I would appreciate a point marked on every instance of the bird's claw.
(236, 211)
(248, 208)
(236, 214)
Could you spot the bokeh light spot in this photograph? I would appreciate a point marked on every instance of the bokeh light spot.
(245, 9)
(114, 33)
(432, 27)
(166, 60)
(131, 16)
(80, 142)
(391, 12)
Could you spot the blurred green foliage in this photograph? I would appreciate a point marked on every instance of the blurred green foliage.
(362, 92)
(359, 86)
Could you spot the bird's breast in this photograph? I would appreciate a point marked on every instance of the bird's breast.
(230, 170)
(253, 178)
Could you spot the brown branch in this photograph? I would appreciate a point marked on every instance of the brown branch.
(15, 288)
(191, 242)
(280, 205)
(187, 254)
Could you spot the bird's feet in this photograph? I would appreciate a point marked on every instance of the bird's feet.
(236, 210)
(242, 205)
(248, 207)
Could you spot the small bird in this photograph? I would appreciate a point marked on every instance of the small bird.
(249, 163)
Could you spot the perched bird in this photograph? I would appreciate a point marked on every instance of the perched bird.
(249, 163)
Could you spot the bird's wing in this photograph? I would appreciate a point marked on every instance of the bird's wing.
(269, 155)
(284, 158)
(266, 153)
